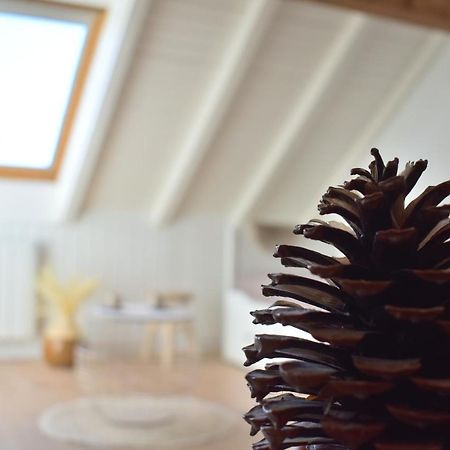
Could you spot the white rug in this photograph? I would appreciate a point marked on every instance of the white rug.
(138, 421)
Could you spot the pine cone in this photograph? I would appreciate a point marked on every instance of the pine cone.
(377, 374)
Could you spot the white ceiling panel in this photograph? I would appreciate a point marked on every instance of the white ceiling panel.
(288, 57)
(366, 79)
(176, 58)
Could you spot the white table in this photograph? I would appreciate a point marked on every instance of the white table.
(165, 323)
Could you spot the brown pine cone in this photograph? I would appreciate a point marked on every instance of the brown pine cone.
(377, 375)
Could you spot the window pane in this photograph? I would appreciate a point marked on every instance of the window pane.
(39, 58)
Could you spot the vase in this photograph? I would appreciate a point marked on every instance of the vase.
(59, 350)
(59, 340)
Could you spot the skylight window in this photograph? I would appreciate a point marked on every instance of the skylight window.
(43, 51)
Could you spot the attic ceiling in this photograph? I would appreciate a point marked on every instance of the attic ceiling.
(248, 109)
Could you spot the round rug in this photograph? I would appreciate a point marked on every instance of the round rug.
(138, 421)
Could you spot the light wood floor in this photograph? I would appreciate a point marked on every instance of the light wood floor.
(26, 388)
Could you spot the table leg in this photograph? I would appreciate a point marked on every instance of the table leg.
(167, 343)
(148, 341)
(188, 332)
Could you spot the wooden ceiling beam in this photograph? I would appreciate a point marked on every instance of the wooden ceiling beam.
(428, 13)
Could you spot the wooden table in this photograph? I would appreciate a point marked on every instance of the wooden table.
(164, 327)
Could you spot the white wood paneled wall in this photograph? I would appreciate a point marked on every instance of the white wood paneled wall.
(17, 307)
(129, 258)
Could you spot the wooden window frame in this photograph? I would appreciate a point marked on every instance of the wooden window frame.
(95, 27)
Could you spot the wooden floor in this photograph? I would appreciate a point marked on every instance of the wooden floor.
(27, 388)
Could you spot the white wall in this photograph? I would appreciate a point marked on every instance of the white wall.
(131, 258)
(421, 127)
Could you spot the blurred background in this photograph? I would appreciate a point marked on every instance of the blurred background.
(152, 153)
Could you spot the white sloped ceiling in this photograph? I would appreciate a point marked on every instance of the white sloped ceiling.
(310, 93)
(175, 61)
(368, 78)
(288, 59)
